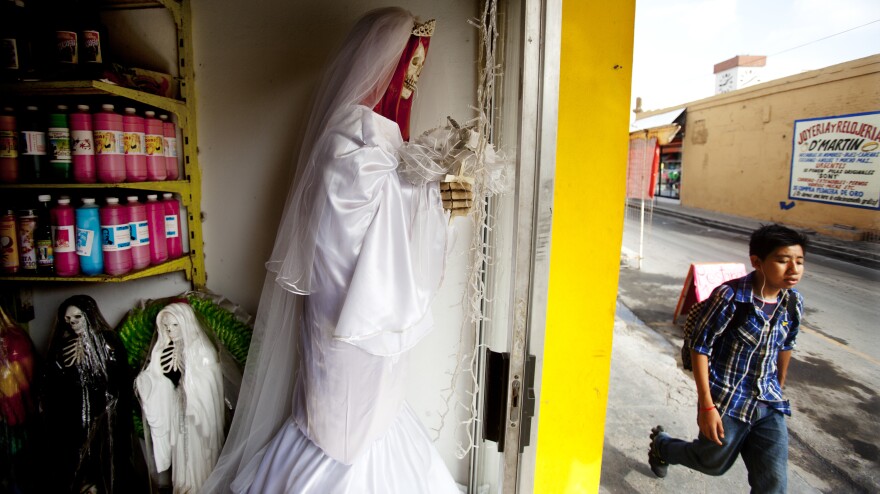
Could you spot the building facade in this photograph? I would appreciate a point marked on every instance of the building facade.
(736, 155)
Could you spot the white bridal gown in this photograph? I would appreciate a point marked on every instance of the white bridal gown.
(378, 263)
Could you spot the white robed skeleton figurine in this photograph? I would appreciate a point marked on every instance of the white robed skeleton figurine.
(181, 394)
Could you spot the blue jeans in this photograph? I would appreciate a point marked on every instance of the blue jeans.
(762, 445)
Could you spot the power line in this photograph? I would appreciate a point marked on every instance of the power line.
(753, 63)
(826, 37)
(796, 47)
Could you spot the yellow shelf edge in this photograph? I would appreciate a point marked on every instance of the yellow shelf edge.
(130, 4)
(181, 264)
(67, 88)
(177, 107)
(172, 6)
(178, 186)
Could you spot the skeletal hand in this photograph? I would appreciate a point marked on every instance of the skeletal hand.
(457, 194)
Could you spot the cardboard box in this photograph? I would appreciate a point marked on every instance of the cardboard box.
(148, 81)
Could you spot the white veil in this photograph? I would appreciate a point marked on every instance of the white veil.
(359, 74)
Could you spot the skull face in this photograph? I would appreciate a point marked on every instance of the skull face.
(77, 321)
(170, 325)
(413, 70)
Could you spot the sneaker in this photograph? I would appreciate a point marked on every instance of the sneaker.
(658, 466)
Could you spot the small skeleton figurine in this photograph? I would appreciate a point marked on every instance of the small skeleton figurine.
(87, 401)
(181, 394)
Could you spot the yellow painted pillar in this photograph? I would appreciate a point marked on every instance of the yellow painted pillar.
(588, 208)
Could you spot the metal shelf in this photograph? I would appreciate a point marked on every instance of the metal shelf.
(185, 109)
(182, 264)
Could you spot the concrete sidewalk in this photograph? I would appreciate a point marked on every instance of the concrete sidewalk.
(858, 252)
(648, 388)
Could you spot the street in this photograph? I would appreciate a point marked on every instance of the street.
(834, 376)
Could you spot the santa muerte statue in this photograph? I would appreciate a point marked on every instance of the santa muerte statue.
(358, 258)
(181, 394)
(87, 399)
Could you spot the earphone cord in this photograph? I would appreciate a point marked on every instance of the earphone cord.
(760, 338)
(761, 295)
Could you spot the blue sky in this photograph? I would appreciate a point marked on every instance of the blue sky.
(677, 42)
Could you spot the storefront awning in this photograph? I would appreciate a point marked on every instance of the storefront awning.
(662, 126)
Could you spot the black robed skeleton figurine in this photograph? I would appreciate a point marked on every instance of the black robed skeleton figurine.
(87, 402)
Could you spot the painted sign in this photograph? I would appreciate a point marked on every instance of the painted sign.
(641, 173)
(836, 160)
(701, 279)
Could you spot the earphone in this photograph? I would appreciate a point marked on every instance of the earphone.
(761, 295)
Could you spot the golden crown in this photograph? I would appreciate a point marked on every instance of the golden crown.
(425, 29)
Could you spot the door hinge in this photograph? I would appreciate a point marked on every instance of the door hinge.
(528, 403)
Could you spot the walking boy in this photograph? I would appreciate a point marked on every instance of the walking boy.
(740, 371)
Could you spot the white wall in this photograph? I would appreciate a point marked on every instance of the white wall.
(114, 299)
(257, 64)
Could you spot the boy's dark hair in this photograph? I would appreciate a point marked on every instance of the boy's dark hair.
(768, 238)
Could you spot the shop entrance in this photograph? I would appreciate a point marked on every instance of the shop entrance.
(669, 174)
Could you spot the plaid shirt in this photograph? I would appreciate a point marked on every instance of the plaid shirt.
(742, 365)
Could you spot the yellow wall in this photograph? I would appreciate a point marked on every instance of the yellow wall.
(591, 155)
